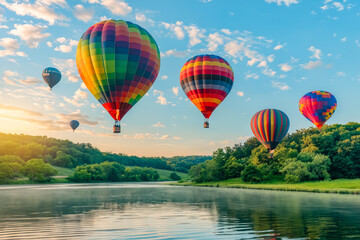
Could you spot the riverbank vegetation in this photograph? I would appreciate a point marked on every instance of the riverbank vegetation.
(347, 186)
(305, 155)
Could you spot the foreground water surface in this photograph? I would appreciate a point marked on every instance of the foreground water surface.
(154, 211)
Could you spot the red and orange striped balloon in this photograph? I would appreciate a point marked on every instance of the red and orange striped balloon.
(206, 81)
(270, 127)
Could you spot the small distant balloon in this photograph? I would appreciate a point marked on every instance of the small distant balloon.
(270, 127)
(51, 76)
(74, 124)
(318, 107)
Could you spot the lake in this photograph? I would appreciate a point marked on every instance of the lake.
(155, 211)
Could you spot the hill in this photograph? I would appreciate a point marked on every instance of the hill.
(64, 153)
(305, 155)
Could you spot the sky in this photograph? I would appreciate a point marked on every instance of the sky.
(278, 49)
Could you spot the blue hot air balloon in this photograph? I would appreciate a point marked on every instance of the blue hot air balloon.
(51, 76)
(74, 124)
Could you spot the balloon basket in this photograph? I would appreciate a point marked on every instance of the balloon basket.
(206, 123)
(117, 127)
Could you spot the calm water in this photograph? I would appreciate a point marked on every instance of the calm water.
(152, 211)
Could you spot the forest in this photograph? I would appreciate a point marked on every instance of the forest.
(21, 155)
(304, 155)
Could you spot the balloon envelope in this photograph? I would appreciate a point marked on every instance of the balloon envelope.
(51, 76)
(317, 107)
(206, 81)
(74, 124)
(118, 62)
(270, 127)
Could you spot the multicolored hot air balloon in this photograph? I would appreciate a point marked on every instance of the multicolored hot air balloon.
(317, 107)
(118, 61)
(74, 124)
(51, 76)
(206, 81)
(270, 127)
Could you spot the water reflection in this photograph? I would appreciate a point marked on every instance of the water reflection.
(151, 211)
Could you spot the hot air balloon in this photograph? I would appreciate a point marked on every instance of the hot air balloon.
(118, 62)
(51, 76)
(206, 81)
(317, 107)
(270, 127)
(74, 124)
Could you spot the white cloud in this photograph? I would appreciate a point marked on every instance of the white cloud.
(312, 65)
(158, 124)
(83, 86)
(233, 48)
(285, 67)
(252, 75)
(214, 40)
(164, 77)
(280, 2)
(116, 7)
(140, 17)
(343, 39)
(175, 90)
(271, 58)
(315, 52)
(163, 137)
(339, 6)
(40, 10)
(269, 72)
(278, 47)
(67, 47)
(14, 79)
(79, 95)
(176, 28)
(83, 14)
(162, 100)
(156, 92)
(195, 34)
(31, 34)
(226, 31)
(9, 43)
(262, 64)
(67, 67)
(240, 93)
(340, 74)
(49, 44)
(282, 86)
(175, 53)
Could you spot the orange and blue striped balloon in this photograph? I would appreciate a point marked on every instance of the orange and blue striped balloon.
(206, 81)
(270, 127)
(118, 62)
(317, 107)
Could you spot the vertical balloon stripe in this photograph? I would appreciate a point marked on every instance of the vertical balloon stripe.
(270, 126)
(118, 61)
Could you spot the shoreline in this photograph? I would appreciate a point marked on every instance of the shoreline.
(348, 186)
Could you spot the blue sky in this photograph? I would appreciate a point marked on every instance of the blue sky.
(278, 49)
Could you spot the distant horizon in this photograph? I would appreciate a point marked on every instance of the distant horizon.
(278, 49)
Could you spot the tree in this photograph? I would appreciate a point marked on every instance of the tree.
(81, 175)
(252, 173)
(63, 160)
(39, 171)
(174, 177)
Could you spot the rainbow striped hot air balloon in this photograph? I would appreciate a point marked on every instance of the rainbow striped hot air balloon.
(206, 81)
(118, 61)
(317, 107)
(270, 127)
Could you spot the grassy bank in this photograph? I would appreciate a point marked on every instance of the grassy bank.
(346, 186)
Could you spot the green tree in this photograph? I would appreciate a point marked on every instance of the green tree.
(39, 171)
(174, 177)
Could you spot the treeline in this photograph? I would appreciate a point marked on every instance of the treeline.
(64, 153)
(113, 172)
(13, 167)
(304, 155)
